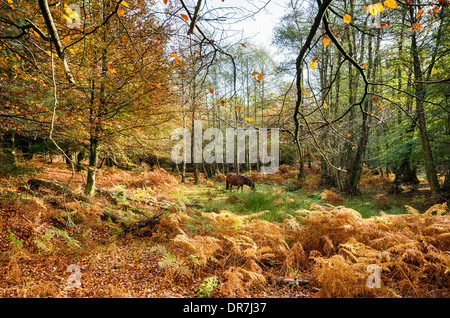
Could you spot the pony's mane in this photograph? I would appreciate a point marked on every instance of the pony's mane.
(247, 181)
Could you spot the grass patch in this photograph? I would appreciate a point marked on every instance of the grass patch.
(280, 202)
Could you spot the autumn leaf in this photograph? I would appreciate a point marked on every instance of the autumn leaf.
(111, 68)
(249, 119)
(259, 77)
(324, 105)
(66, 38)
(391, 4)
(264, 115)
(315, 58)
(243, 45)
(381, 107)
(238, 108)
(184, 17)
(312, 65)
(175, 57)
(165, 1)
(347, 18)
(325, 42)
(211, 90)
(125, 4)
(159, 86)
(379, 7)
(222, 102)
(364, 64)
(120, 12)
(255, 73)
(349, 134)
(374, 98)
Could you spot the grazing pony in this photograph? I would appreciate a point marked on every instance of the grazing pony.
(239, 181)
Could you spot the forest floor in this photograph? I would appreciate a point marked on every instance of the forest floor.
(146, 235)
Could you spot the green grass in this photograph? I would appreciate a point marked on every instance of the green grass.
(281, 202)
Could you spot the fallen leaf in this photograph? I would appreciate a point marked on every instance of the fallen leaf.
(312, 65)
(325, 42)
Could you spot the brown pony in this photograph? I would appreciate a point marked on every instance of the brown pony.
(239, 181)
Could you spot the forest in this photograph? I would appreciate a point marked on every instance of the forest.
(120, 122)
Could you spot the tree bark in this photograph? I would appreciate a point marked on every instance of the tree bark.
(430, 168)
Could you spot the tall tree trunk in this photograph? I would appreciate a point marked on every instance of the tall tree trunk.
(430, 168)
(92, 168)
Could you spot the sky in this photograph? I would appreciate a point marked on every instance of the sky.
(259, 27)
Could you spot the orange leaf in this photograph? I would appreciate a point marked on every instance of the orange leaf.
(165, 1)
(380, 107)
(255, 73)
(374, 98)
(185, 17)
(222, 102)
(420, 11)
(175, 57)
(210, 90)
(391, 4)
(238, 108)
(347, 18)
(315, 58)
(66, 38)
(159, 86)
(325, 42)
(259, 77)
(120, 12)
(243, 45)
(349, 134)
(364, 64)
(264, 115)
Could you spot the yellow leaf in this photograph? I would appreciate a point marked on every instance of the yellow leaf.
(260, 77)
(325, 105)
(249, 119)
(347, 18)
(120, 12)
(379, 7)
(312, 65)
(125, 4)
(325, 42)
(391, 4)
